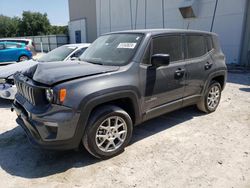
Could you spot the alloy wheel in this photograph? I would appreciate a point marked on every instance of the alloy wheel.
(213, 97)
(111, 134)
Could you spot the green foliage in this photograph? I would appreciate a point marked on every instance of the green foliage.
(9, 27)
(34, 23)
(59, 30)
(31, 24)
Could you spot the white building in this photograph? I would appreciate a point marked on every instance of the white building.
(230, 19)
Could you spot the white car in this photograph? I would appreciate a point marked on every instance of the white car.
(63, 53)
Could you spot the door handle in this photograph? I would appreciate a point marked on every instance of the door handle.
(208, 66)
(179, 73)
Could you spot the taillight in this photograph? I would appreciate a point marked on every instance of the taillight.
(27, 48)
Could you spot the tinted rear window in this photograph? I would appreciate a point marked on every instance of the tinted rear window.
(195, 46)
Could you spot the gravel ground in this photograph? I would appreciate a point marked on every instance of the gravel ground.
(181, 149)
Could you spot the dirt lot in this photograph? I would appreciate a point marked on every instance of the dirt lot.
(182, 149)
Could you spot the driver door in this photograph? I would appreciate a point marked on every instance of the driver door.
(164, 85)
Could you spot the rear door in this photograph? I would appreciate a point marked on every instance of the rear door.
(198, 64)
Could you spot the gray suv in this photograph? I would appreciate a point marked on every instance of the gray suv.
(121, 80)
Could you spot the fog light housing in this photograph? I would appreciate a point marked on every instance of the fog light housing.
(49, 94)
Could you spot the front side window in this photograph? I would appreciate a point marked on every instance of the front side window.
(147, 54)
(79, 52)
(113, 49)
(171, 45)
(195, 46)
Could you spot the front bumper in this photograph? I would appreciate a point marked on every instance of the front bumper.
(53, 127)
(8, 91)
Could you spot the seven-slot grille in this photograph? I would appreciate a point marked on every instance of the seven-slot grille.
(26, 91)
(34, 95)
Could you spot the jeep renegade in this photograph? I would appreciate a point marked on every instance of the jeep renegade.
(121, 80)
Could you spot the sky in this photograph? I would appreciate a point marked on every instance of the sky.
(57, 10)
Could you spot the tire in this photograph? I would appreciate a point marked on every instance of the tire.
(23, 58)
(210, 102)
(101, 137)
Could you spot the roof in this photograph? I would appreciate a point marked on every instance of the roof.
(17, 39)
(80, 45)
(164, 31)
(19, 43)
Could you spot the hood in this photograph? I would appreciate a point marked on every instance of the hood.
(52, 73)
(9, 70)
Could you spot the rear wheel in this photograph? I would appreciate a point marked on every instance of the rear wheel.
(23, 58)
(211, 100)
(108, 133)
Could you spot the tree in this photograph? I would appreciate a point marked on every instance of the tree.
(9, 27)
(55, 30)
(31, 24)
(34, 23)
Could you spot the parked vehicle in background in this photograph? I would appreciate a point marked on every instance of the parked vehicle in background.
(28, 42)
(123, 79)
(65, 53)
(62, 53)
(12, 51)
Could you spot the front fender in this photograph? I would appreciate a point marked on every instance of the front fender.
(93, 100)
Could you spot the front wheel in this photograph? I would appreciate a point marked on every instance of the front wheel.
(211, 100)
(108, 132)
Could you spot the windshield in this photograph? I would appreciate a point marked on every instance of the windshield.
(58, 54)
(113, 49)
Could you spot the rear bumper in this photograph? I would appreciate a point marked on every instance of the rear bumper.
(53, 128)
(8, 91)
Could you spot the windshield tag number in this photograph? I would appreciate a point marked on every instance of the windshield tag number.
(127, 45)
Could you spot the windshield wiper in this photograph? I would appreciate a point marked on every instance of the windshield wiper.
(92, 62)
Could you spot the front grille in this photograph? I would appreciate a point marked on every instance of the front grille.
(26, 91)
(34, 95)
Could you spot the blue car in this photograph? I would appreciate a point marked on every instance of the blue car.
(12, 51)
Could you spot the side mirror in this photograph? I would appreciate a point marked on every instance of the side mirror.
(74, 59)
(158, 60)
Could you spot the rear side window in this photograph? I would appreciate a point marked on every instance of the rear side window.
(2, 46)
(171, 45)
(209, 43)
(20, 41)
(195, 46)
(10, 46)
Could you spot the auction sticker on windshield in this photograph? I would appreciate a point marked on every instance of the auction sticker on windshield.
(127, 45)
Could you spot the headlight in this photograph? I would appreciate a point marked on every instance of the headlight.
(49, 94)
(2, 81)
